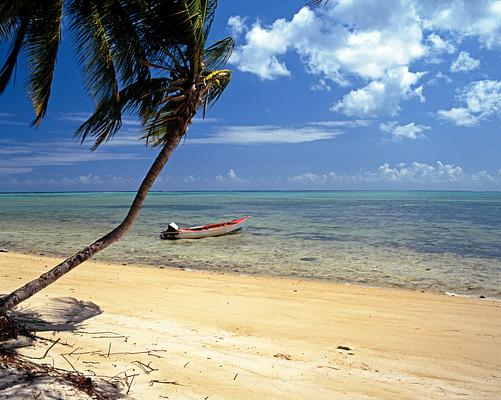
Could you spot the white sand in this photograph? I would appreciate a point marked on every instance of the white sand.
(213, 336)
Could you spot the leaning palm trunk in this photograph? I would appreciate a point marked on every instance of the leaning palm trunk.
(33, 287)
(172, 34)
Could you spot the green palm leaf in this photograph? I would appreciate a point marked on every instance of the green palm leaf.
(42, 42)
(94, 50)
(10, 62)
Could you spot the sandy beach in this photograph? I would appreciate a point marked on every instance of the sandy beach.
(164, 333)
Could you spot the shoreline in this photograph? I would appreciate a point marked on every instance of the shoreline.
(445, 292)
(230, 336)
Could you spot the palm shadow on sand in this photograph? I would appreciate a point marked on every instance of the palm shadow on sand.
(60, 314)
(21, 378)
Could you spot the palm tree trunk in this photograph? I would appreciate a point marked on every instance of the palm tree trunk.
(33, 287)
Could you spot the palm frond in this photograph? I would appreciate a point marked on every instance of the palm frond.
(216, 82)
(209, 18)
(125, 44)
(42, 42)
(94, 50)
(219, 53)
(10, 13)
(10, 62)
(164, 123)
(7, 28)
(141, 96)
(316, 3)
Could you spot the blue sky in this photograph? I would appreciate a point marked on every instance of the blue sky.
(360, 94)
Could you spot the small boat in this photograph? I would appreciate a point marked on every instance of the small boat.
(198, 232)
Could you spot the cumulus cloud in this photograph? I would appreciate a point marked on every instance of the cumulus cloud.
(458, 115)
(482, 99)
(436, 44)
(264, 45)
(413, 174)
(464, 63)
(231, 177)
(420, 172)
(409, 131)
(191, 179)
(331, 49)
(367, 43)
(236, 25)
(340, 42)
(479, 18)
(381, 97)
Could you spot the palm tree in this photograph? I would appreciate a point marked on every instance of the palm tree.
(174, 74)
(105, 39)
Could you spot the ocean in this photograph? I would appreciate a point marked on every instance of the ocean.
(429, 240)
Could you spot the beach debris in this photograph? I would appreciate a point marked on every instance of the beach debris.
(145, 367)
(283, 356)
(61, 380)
(9, 329)
(152, 382)
(328, 366)
(341, 347)
(4, 251)
(235, 377)
(46, 351)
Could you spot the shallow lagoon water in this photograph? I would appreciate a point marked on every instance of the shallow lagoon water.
(439, 241)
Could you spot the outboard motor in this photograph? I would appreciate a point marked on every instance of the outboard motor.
(171, 232)
(172, 227)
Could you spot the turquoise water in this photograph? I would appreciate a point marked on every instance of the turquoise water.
(439, 241)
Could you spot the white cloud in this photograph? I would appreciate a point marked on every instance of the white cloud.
(320, 86)
(353, 123)
(7, 119)
(414, 174)
(19, 158)
(236, 25)
(409, 131)
(458, 115)
(420, 173)
(438, 77)
(267, 134)
(365, 42)
(330, 49)
(479, 18)
(438, 45)
(381, 97)
(259, 54)
(464, 63)
(206, 120)
(341, 41)
(231, 177)
(81, 117)
(191, 179)
(75, 181)
(14, 170)
(482, 100)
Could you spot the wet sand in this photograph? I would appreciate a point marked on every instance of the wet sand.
(165, 333)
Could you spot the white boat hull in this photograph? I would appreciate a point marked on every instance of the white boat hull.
(206, 231)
